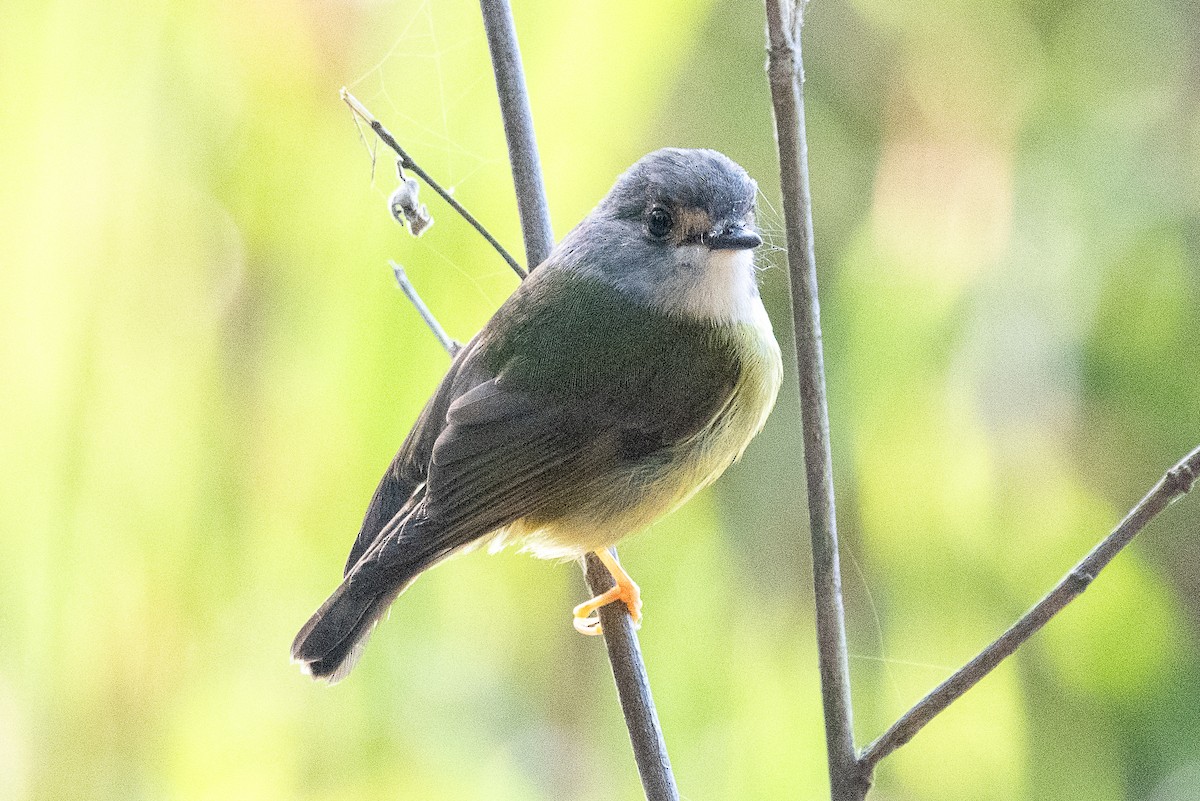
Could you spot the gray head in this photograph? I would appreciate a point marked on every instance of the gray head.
(676, 232)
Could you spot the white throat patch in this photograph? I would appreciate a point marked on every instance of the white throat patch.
(718, 285)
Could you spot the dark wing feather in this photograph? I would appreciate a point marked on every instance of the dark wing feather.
(507, 453)
(408, 469)
(501, 456)
(586, 379)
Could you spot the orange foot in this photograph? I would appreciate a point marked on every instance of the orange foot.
(625, 591)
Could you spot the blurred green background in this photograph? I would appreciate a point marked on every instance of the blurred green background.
(207, 366)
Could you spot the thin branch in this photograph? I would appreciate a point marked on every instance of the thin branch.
(633, 689)
(518, 130)
(786, 77)
(452, 347)
(625, 656)
(1174, 484)
(406, 162)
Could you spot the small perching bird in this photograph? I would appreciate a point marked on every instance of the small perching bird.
(626, 373)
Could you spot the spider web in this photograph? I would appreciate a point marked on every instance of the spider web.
(431, 88)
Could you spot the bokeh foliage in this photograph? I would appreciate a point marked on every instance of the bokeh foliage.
(206, 367)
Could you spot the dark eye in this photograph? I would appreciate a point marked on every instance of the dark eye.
(659, 222)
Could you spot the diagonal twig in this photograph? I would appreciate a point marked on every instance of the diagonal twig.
(406, 161)
(406, 286)
(1174, 484)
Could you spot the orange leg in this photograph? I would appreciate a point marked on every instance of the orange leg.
(625, 591)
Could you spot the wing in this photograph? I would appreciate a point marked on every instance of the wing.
(506, 454)
(565, 383)
(398, 490)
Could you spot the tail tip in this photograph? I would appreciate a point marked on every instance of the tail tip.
(323, 670)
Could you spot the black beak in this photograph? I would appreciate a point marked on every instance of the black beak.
(733, 237)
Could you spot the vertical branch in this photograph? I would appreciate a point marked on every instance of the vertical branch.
(518, 130)
(625, 656)
(786, 76)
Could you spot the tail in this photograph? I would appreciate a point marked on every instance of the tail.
(331, 642)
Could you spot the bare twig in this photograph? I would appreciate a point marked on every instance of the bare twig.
(406, 162)
(452, 347)
(518, 130)
(633, 690)
(625, 656)
(1174, 484)
(786, 76)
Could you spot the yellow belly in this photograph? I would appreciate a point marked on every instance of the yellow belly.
(629, 502)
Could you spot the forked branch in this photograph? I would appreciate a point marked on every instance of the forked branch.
(851, 773)
(1174, 484)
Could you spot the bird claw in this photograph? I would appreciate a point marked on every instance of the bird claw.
(589, 626)
(625, 591)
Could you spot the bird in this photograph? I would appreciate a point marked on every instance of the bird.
(626, 373)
